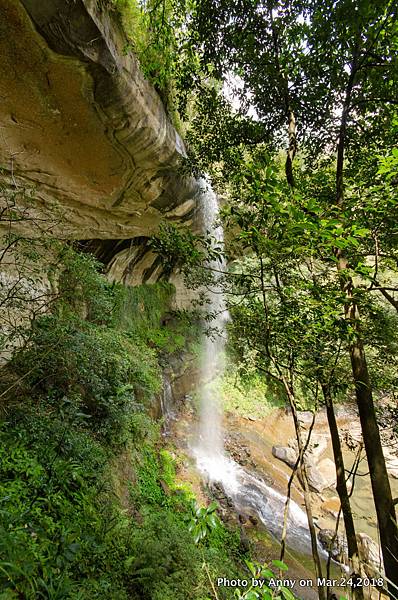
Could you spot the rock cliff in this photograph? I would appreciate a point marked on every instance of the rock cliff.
(81, 125)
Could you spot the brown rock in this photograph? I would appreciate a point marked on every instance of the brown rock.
(165, 487)
(305, 418)
(316, 481)
(317, 446)
(327, 469)
(370, 555)
(331, 506)
(88, 132)
(337, 545)
(391, 461)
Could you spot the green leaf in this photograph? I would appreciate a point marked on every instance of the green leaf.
(267, 573)
(212, 521)
(251, 595)
(280, 565)
(251, 568)
(286, 593)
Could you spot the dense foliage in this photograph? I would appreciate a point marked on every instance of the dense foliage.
(311, 232)
(291, 108)
(90, 505)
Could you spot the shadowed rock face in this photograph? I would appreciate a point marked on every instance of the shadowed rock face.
(81, 125)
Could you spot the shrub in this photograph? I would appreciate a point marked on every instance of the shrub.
(141, 311)
(49, 485)
(167, 565)
(92, 370)
(83, 289)
(148, 489)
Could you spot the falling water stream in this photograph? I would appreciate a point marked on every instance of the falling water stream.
(210, 440)
(247, 492)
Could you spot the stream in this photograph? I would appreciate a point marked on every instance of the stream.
(250, 494)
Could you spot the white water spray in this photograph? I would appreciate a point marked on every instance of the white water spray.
(246, 491)
(209, 451)
(210, 442)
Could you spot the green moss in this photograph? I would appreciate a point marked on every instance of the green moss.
(145, 312)
(142, 307)
(251, 395)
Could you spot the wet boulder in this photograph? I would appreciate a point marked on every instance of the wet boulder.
(335, 544)
(315, 479)
(321, 476)
(286, 454)
(369, 551)
(327, 469)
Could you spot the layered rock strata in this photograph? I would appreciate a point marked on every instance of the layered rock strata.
(83, 129)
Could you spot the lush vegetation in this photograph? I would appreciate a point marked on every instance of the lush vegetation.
(295, 118)
(290, 106)
(156, 34)
(90, 504)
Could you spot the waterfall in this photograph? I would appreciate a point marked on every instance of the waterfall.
(247, 492)
(209, 450)
(210, 439)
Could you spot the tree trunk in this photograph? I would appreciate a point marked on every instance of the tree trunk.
(304, 479)
(385, 508)
(341, 487)
(284, 89)
(292, 148)
(381, 489)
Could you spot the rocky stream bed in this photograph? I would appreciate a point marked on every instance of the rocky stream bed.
(266, 450)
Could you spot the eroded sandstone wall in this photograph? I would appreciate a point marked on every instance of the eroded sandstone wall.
(81, 125)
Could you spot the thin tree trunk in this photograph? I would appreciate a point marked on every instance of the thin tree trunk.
(304, 479)
(284, 89)
(292, 149)
(382, 496)
(301, 465)
(289, 486)
(341, 487)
